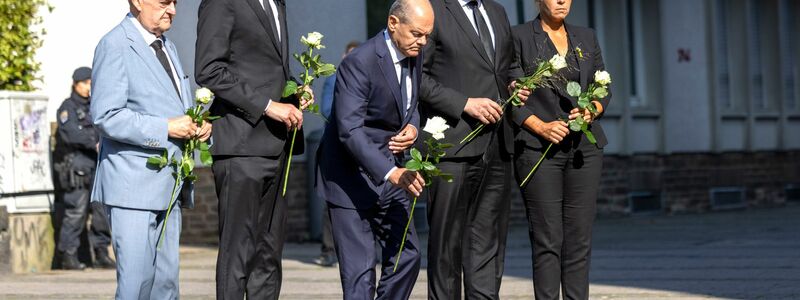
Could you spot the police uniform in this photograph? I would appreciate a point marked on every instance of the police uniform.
(75, 160)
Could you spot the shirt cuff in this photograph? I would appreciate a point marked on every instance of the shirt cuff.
(385, 178)
(266, 108)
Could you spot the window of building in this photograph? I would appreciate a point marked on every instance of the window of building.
(377, 14)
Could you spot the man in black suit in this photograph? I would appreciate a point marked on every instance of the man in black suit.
(467, 67)
(242, 56)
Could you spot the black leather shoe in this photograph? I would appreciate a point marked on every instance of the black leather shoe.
(70, 262)
(102, 260)
(325, 260)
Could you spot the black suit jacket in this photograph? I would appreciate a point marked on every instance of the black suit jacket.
(239, 58)
(456, 67)
(530, 44)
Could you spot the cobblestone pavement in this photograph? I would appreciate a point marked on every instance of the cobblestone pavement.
(752, 254)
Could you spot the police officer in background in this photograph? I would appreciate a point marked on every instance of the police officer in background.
(75, 159)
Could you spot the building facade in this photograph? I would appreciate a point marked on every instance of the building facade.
(705, 112)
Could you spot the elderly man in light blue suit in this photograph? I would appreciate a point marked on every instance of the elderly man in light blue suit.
(139, 99)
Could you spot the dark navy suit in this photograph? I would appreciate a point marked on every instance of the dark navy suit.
(368, 110)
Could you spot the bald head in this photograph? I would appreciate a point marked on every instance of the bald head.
(410, 22)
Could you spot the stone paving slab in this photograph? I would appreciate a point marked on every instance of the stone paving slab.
(732, 255)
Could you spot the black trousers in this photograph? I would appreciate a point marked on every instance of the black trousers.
(76, 210)
(468, 221)
(560, 203)
(252, 217)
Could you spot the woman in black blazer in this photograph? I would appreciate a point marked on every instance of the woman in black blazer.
(560, 198)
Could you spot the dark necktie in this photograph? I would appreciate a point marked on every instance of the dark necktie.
(273, 19)
(483, 30)
(404, 70)
(158, 45)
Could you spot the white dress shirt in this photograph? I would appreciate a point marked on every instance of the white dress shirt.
(471, 17)
(149, 38)
(396, 58)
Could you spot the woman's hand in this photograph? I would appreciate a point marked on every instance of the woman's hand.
(555, 131)
(587, 115)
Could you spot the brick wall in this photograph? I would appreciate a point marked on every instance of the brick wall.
(683, 182)
(200, 225)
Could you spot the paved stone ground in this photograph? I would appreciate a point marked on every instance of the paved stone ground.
(732, 255)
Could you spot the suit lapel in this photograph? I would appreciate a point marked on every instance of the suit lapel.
(265, 22)
(389, 73)
(496, 19)
(583, 63)
(186, 96)
(457, 12)
(144, 52)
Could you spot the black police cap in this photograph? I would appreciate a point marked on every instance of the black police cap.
(81, 74)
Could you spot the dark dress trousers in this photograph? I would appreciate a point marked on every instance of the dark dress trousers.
(240, 57)
(353, 159)
(468, 217)
(560, 199)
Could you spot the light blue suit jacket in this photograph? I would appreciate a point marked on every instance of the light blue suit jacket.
(132, 98)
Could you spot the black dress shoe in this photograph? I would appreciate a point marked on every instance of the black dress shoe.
(325, 260)
(102, 260)
(70, 262)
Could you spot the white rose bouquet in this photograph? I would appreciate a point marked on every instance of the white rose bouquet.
(596, 90)
(313, 68)
(427, 166)
(183, 167)
(541, 77)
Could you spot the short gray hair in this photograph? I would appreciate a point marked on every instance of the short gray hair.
(400, 9)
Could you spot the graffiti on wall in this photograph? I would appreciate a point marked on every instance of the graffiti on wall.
(28, 135)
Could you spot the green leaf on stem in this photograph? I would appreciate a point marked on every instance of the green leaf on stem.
(290, 89)
(325, 70)
(583, 101)
(205, 157)
(428, 166)
(187, 165)
(191, 178)
(600, 92)
(590, 136)
(212, 118)
(573, 89)
(413, 165)
(575, 125)
(157, 161)
(416, 155)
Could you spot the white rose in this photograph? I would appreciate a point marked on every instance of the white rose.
(436, 127)
(313, 40)
(203, 95)
(558, 62)
(602, 77)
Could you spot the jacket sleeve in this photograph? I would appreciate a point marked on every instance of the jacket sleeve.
(213, 61)
(352, 96)
(110, 114)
